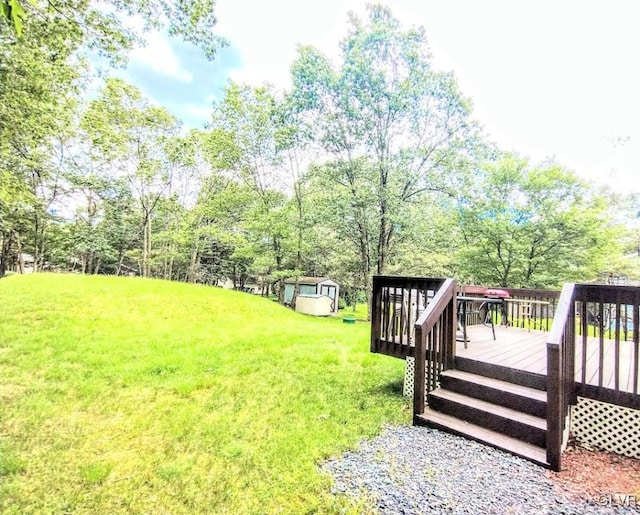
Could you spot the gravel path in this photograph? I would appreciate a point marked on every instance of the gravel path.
(414, 470)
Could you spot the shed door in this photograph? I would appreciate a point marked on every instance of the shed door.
(329, 291)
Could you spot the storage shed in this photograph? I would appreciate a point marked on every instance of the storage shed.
(313, 286)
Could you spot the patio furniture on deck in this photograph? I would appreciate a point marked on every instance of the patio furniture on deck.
(526, 310)
(402, 303)
(487, 309)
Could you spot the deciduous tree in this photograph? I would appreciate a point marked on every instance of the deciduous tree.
(133, 136)
(394, 127)
(526, 226)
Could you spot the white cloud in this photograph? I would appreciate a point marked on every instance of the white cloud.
(158, 55)
(267, 33)
(547, 78)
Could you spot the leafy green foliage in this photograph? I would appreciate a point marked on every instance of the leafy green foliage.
(257, 153)
(102, 31)
(134, 139)
(12, 12)
(370, 165)
(533, 227)
(394, 127)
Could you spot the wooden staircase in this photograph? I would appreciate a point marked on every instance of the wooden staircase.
(498, 406)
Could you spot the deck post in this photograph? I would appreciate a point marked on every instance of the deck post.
(570, 359)
(376, 310)
(451, 327)
(419, 374)
(554, 408)
(560, 385)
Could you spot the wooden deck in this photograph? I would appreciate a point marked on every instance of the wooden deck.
(526, 350)
(475, 385)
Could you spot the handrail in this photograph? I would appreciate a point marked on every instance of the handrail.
(429, 316)
(436, 327)
(560, 374)
(562, 312)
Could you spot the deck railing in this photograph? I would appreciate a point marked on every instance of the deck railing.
(593, 345)
(560, 374)
(532, 309)
(527, 309)
(608, 343)
(435, 332)
(596, 331)
(397, 303)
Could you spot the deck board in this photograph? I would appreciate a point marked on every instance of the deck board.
(522, 349)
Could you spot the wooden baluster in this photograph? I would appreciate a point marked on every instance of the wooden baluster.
(636, 341)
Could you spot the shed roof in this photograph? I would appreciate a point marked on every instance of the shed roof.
(306, 280)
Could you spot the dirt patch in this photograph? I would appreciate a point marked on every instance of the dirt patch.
(10, 391)
(601, 477)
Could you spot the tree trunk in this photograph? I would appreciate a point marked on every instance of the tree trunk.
(36, 230)
(383, 206)
(281, 290)
(20, 256)
(191, 275)
(146, 245)
(38, 258)
(120, 262)
(365, 263)
(4, 253)
(296, 292)
(300, 227)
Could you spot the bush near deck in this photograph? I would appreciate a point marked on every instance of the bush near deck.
(132, 395)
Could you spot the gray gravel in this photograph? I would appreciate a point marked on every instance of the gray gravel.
(414, 470)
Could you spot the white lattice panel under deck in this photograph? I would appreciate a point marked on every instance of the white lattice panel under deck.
(607, 427)
(409, 377)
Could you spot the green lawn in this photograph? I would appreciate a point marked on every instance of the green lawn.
(122, 395)
(359, 313)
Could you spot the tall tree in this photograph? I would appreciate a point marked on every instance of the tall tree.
(262, 148)
(292, 142)
(133, 137)
(15, 202)
(388, 120)
(42, 45)
(39, 81)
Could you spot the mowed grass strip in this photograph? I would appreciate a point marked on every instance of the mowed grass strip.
(125, 395)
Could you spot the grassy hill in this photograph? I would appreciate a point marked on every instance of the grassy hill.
(121, 395)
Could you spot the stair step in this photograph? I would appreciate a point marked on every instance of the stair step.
(524, 426)
(483, 435)
(502, 373)
(496, 391)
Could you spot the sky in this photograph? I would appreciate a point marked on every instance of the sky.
(548, 79)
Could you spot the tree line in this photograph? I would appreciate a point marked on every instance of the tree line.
(373, 165)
